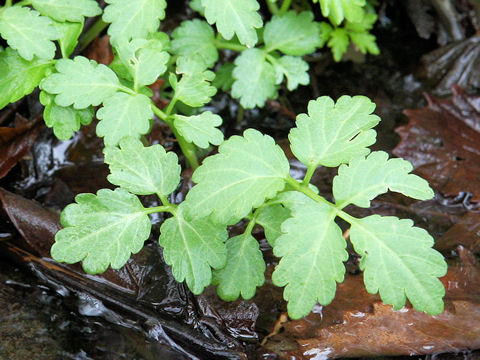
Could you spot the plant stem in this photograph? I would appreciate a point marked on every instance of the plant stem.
(8, 3)
(156, 209)
(314, 196)
(272, 7)
(24, 3)
(92, 33)
(127, 90)
(308, 176)
(285, 6)
(253, 221)
(188, 149)
(229, 46)
(170, 106)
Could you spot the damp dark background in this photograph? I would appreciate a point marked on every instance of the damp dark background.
(142, 313)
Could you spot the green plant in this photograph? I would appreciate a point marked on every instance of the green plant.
(248, 180)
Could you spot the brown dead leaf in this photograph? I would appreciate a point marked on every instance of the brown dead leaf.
(442, 141)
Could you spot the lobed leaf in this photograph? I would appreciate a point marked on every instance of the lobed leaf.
(64, 120)
(224, 77)
(133, 19)
(254, 79)
(337, 10)
(367, 177)
(145, 60)
(28, 32)
(124, 115)
(67, 10)
(195, 38)
(70, 32)
(292, 33)
(81, 82)
(312, 251)
(295, 69)
(271, 218)
(200, 129)
(399, 262)
(192, 248)
(332, 134)
(18, 76)
(244, 270)
(194, 89)
(234, 17)
(101, 230)
(142, 170)
(338, 43)
(247, 170)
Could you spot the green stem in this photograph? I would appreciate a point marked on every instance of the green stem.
(126, 90)
(170, 106)
(188, 149)
(314, 196)
(285, 6)
(24, 3)
(308, 176)
(157, 209)
(229, 46)
(8, 3)
(253, 221)
(272, 7)
(240, 114)
(92, 33)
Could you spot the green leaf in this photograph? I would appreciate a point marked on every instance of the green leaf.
(18, 77)
(292, 33)
(142, 170)
(332, 134)
(200, 129)
(133, 19)
(312, 251)
(234, 17)
(192, 248)
(359, 34)
(399, 262)
(28, 32)
(325, 32)
(294, 68)
(190, 65)
(271, 218)
(194, 89)
(144, 59)
(64, 120)
(67, 10)
(81, 82)
(124, 115)
(69, 38)
(337, 10)
(254, 79)
(224, 77)
(195, 38)
(101, 229)
(244, 271)
(366, 178)
(338, 43)
(196, 5)
(246, 171)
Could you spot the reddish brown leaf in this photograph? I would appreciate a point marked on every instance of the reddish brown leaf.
(15, 144)
(442, 141)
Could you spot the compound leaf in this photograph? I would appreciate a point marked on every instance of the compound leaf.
(366, 178)
(399, 262)
(247, 170)
(295, 70)
(81, 82)
(200, 129)
(67, 10)
(28, 32)
(235, 17)
(192, 248)
(144, 59)
(142, 170)
(271, 218)
(332, 134)
(101, 230)
(244, 271)
(133, 19)
(64, 120)
(337, 10)
(338, 43)
(195, 38)
(194, 89)
(292, 33)
(312, 251)
(124, 115)
(254, 79)
(18, 76)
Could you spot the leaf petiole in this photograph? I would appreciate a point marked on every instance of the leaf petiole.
(155, 209)
(285, 6)
(309, 174)
(224, 45)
